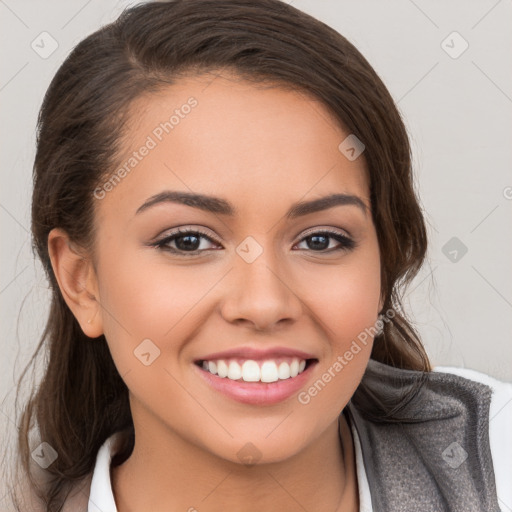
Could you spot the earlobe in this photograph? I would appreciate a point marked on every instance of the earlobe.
(77, 281)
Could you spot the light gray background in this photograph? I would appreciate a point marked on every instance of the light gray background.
(458, 113)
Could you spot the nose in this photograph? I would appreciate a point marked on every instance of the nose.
(261, 294)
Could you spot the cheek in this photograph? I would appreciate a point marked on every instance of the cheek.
(356, 305)
(345, 297)
(346, 303)
(142, 299)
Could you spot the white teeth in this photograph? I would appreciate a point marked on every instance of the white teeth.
(269, 371)
(234, 371)
(222, 368)
(252, 371)
(294, 368)
(283, 372)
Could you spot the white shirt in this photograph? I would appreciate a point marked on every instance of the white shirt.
(101, 498)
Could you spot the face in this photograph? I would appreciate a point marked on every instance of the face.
(262, 282)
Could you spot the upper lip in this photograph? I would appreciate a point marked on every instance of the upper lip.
(257, 354)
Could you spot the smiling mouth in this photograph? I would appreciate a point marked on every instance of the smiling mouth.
(250, 370)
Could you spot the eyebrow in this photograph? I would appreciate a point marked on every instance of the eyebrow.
(221, 206)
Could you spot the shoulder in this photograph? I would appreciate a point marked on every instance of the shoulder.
(476, 376)
(499, 425)
(435, 440)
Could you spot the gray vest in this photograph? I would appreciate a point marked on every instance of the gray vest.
(431, 453)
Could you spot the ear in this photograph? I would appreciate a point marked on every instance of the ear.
(77, 281)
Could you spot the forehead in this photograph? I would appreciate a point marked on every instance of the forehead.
(247, 142)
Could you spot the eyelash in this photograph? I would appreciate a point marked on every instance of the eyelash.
(346, 243)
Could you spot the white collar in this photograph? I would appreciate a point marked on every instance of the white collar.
(101, 497)
(365, 498)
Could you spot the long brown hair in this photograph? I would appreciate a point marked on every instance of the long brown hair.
(81, 399)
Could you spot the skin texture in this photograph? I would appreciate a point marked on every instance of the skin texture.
(262, 149)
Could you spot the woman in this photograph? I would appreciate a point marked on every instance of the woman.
(223, 202)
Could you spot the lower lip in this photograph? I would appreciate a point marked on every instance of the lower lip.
(257, 393)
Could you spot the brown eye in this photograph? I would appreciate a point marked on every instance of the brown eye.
(185, 241)
(320, 241)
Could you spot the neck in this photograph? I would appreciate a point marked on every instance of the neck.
(176, 476)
